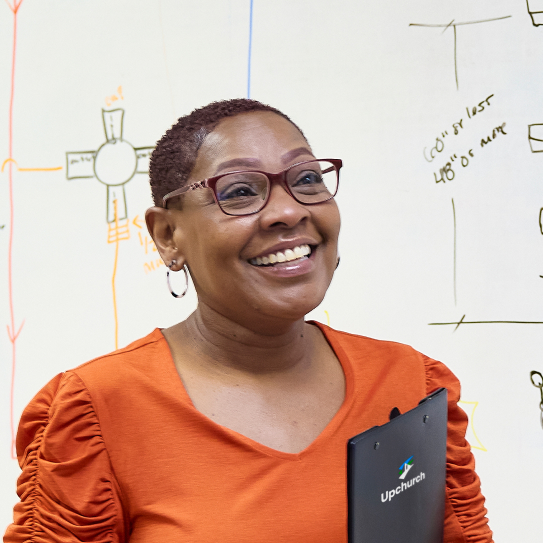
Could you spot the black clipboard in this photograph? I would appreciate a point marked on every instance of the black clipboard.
(396, 477)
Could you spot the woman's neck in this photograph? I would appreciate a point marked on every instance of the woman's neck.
(227, 346)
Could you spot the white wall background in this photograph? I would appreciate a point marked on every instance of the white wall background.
(365, 86)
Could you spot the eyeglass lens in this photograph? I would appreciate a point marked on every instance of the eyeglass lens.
(246, 192)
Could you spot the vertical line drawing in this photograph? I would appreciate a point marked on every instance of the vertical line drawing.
(113, 164)
(250, 49)
(455, 58)
(11, 163)
(454, 25)
(454, 250)
(12, 334)
(114, 276)
(535, 9)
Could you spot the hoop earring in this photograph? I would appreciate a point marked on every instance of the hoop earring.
(172, 263)
(337, 263)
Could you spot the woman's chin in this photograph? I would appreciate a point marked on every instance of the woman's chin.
(289, 310)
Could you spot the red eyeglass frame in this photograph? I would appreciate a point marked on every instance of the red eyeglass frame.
(280, 177)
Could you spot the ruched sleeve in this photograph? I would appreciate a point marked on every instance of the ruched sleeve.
(465, 512)
(67, 489)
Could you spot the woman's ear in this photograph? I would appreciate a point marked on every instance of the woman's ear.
(166, 234)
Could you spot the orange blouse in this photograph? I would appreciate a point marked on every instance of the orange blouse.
(114, 451)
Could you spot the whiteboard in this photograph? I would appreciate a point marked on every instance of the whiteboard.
(435, 109)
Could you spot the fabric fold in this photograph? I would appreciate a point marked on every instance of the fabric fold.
(60, 450)
(464, 498)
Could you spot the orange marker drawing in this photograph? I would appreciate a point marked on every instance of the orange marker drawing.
(116, 234)
(471, 415)
(10, 160)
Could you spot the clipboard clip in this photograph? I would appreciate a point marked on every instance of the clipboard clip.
(395, 412)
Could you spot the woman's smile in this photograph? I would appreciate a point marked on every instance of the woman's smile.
(281, 256)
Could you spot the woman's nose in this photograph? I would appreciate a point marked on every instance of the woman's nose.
(282, 209)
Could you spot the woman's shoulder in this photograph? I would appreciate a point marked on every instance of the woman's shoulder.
(95, 387)
(369, 352)
(141, 351)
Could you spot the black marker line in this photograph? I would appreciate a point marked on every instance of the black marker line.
(459, 323)
(445, 29)
(454, 25)
(454, 254)
(462, 321)
(461, 24)
(455, 64)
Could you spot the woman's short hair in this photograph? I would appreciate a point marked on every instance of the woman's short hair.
(174, 156)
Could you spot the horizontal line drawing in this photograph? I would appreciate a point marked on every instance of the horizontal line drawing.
(454, 24)
(462, 321)
(19, 169)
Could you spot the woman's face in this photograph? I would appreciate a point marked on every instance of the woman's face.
(221, 251)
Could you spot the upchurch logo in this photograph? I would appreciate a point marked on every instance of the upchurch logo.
(404, 470)
(405, 467)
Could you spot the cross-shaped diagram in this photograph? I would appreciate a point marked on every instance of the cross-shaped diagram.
(114, 164)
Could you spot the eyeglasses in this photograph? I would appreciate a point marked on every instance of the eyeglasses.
(246, 192)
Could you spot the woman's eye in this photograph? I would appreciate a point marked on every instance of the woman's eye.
(237, 191)
(307, 178)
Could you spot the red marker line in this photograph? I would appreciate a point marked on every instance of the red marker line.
(11, 327)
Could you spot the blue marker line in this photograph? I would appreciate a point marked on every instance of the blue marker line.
(250, 50)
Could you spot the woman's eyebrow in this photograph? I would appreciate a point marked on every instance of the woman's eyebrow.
(255, 162)
(294, 153)
(238, 163)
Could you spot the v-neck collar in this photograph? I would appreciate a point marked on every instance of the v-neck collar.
(329, 430)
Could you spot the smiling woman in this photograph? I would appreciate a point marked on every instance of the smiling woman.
(231, 425)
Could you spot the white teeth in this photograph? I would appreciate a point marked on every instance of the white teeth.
(286, 256)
